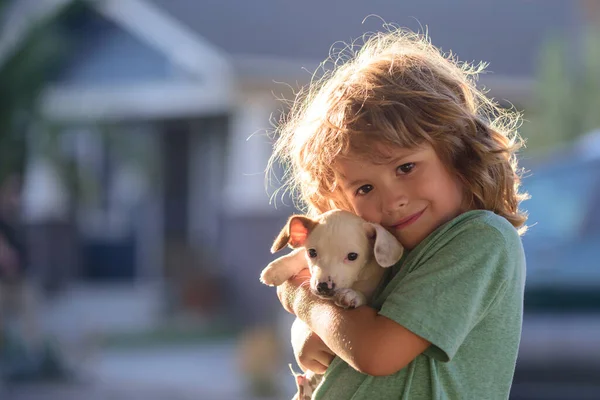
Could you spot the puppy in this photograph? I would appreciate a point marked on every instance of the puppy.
(344, 253)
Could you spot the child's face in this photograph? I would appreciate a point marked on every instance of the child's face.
(411, 196)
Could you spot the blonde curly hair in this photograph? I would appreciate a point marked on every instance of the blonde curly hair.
(397, 89)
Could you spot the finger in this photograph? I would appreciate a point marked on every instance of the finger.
(323, 358)
(313, 365)
(326, 358)
(303, 275)
(319, 360)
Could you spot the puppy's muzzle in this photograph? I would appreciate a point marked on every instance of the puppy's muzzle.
(326, 288)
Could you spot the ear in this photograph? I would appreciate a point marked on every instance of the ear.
(294, 233)
(386, 248)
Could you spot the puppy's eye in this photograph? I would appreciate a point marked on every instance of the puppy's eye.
(352, 256)
(312, 253)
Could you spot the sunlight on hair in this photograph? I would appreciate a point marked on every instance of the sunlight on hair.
(395, 88)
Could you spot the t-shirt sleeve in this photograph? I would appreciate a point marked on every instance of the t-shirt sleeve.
(445, 295)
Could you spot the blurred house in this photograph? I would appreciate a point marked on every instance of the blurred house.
(195, 84)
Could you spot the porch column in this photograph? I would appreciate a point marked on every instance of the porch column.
(249, 222)
(249, 149)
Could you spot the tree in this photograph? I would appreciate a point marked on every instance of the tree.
(25, 67)
(566, 101)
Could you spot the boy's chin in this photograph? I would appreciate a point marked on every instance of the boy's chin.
(408, 241)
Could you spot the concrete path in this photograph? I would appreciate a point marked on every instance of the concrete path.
(161, 373)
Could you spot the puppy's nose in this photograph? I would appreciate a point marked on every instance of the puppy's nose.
(324, 289)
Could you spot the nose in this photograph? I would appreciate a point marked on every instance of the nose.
(393, 200)
(325, 288)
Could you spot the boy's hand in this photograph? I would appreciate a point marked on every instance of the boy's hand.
(288, 291)
(310, 351)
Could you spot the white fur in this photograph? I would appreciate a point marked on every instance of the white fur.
(333, 235)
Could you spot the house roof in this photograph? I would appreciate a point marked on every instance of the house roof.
(507, 34)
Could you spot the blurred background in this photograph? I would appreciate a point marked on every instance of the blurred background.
(134, 214)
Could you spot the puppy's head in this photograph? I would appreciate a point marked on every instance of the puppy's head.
(339, 245)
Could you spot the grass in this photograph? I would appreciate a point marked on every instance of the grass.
(172, 335)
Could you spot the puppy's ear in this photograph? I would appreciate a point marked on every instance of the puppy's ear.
(294, 233)
(386, 248)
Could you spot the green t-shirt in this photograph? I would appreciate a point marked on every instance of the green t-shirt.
(461, 289)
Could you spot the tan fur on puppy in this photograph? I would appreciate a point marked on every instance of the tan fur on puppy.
(345, 255)
(343, 252)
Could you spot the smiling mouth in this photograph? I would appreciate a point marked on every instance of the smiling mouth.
(403, 223)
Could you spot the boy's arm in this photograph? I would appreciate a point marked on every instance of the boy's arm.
(370, 343)
(310, 351)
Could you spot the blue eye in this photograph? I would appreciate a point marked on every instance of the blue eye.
(364, 189)
(405, 168)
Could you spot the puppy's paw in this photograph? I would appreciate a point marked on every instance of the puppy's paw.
(273, 276)
(349, 298)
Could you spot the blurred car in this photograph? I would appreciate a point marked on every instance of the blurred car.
(560, 349)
